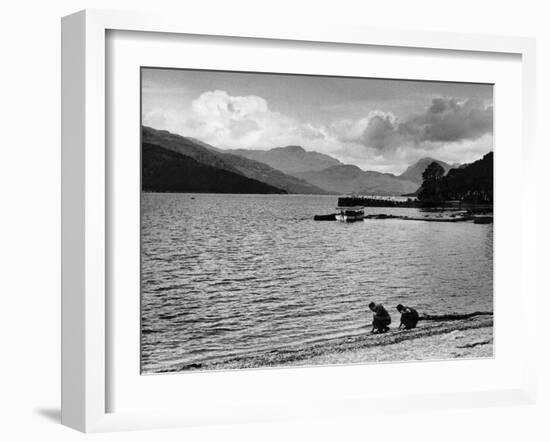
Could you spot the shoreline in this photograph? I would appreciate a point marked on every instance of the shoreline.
(471, 337)
(457, 344)
(435, 338)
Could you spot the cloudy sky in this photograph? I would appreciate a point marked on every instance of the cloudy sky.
(382, 125)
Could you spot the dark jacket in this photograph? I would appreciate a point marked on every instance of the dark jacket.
(381, 315)
(409, 317)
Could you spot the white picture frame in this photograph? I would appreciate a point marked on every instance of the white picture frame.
(86, 207)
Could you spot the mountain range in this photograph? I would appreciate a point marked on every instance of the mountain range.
(290, 159)
(164, 170)
(351, 179)
(174, 163)
(207, 155)
(329, 173)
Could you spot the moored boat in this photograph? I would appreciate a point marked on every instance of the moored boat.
(329, 217)
(350, 214)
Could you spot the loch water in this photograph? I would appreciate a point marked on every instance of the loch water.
(225, 276)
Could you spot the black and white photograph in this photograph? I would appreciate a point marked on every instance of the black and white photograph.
(303, 220)
(255, 221)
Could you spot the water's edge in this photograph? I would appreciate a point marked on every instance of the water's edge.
(431, 325)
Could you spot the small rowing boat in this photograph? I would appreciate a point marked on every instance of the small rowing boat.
(350, 214)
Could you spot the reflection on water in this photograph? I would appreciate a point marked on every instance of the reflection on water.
(224, 275)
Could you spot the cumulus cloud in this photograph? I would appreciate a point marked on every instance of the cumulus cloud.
(223, 119)
(446, 120)
(381, 132)
(228, 121)
(222, 105)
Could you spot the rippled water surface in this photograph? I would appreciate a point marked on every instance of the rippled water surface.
(231, 275)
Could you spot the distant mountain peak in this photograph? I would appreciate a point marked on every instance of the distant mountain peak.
(347, 168)
(414, 171)
(348, 178)
(291, 148)
(426, 159)
(290, 159)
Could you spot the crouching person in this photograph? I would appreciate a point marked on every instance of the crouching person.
(409, 317)
(381, 318)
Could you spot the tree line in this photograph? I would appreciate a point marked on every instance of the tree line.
(472, 183)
